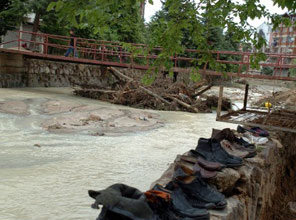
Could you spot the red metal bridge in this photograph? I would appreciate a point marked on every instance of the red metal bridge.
(53, 47)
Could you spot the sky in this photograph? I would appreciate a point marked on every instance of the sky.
(150, 10)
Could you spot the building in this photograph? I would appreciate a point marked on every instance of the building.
(283, 39)
(26, 25)
(265, 30)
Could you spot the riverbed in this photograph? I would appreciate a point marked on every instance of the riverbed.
(45, 174)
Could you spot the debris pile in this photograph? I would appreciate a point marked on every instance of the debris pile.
(161, 95)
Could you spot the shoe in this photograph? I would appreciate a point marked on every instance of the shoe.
(227, 134)
(182, 208)
(208, 165)
(211, 150)
(122, 201)
(246, 144)
(199, 193)
(191, 169)
(237, 150)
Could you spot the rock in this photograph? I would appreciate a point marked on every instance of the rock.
(93, 117)
(292, 207)
(226, 179)
(55, 126)
(98, 134)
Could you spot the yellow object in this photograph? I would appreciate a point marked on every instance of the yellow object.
(267, 105)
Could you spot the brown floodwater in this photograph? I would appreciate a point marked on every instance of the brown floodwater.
(51, 181)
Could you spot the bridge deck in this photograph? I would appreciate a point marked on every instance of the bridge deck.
(53, 47)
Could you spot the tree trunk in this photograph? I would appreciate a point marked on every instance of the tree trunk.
(35, 30)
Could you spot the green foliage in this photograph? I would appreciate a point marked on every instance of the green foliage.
(292, 71)
(11, 14)
(267, 71)
(112, 20)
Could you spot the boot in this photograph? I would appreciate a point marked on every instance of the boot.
(199, 193)
(211, 150)
(182, 208)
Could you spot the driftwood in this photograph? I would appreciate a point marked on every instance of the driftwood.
(128, 79)
(183, 104)
(202, 91)
(199, 84)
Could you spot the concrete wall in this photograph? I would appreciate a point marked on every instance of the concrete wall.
(12, 70)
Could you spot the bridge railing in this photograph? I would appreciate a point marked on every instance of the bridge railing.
(235, 63)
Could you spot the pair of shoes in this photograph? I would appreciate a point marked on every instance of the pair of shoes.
(180, 207)
(211, 150)
(183, 168)
(198, 192)
(237, 150)
(227, 134)
(196, 159)
(255, 130)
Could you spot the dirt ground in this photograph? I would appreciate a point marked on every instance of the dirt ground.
(281, 100)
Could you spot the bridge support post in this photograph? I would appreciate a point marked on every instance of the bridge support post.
(246, 96)
(219, 108)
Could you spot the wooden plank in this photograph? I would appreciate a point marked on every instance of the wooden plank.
(246, 96)
(220, 101)
(258, 125)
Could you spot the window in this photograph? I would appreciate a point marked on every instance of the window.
(284, 39)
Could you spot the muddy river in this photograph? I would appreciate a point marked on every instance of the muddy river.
(45, 174)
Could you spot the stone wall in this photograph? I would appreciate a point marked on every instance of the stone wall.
(262, 188)
(20, 71)
(43, 73)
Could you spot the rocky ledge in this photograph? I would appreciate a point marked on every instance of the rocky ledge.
(264, 187)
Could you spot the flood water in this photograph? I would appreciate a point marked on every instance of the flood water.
(51, 181)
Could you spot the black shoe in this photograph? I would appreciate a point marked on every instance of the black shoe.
(181, 207)
(245, 144)
(211, 150)
(200, 194)
(122, 201)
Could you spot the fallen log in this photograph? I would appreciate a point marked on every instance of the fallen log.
(183, 104)
(126, 78)
(202, 91)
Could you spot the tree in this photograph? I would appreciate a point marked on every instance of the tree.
(18, 9)
(7, 21)
(112, 20)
